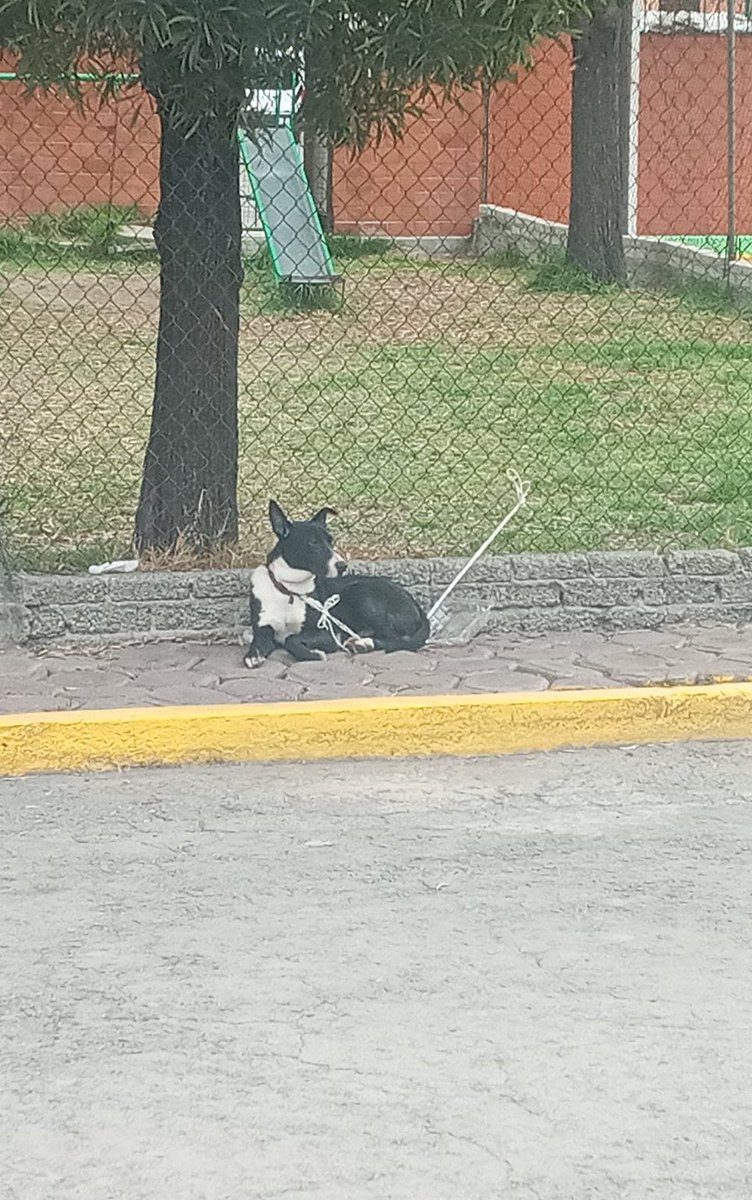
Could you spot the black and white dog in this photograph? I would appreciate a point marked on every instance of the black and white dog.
(304, 562)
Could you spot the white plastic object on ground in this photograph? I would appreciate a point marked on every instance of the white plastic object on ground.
(122, 566)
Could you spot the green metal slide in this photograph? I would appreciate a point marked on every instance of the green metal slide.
(297, 245)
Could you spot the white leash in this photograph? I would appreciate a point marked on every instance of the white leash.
(331, 624)
(521, 489)
(327, 620)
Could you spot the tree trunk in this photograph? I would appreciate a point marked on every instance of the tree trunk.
(317, 159)
(317, 144)
(189, 487)
(594, 243)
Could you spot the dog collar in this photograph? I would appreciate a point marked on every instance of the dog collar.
(291, 596)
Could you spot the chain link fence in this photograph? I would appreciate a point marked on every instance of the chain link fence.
(419, 332)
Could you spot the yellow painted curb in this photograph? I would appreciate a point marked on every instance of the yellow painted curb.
(379, 728)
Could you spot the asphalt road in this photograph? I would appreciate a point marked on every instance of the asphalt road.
(526, 978)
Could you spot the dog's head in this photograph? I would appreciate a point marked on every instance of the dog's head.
(304, 548)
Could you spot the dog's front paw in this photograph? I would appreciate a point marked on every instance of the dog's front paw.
(253, 660)
(359, 645)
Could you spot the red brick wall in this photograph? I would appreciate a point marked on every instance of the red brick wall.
(52, 155)
(682, 178)
(529, 167)
(682, 143)
(427, 184)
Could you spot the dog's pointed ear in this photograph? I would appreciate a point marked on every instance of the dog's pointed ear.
(319, 518)
(279, 521)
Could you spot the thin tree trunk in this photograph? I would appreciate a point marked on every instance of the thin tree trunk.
(317, 158)
(189, 487)
(317, 145)
(596, 213)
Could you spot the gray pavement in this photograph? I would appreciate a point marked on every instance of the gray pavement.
(525, 978)
(189, 673)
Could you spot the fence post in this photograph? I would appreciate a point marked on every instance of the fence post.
(633, 132)
(730, 135)
(629, 117)
(485, 140)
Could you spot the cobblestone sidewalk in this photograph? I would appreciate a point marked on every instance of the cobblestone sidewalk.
(189, 673)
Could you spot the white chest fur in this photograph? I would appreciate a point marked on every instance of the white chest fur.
(284, 614)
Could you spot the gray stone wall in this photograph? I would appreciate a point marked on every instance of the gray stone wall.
(525, 592)
(11, 612)
(649, 260)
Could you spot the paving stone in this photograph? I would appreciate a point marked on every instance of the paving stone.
(442, 685)
(227, 662)
(188, 673)
(471, 663)
(273, 668)
(183, 693)
(569, 644)
(158, 655)
(624, 666)
(402, 682)
(684, 667)
(256, 687)
(500, 680)
(160, 677)
(641, 675)
(656, 641)
(471, 652)
(20, 702)
(84, 679)
(20, 665)
(728, 669)
(725, 640)
(338, 669)
(555, 667)
(688, 661)
(419, 664)
(321, 690)
(580, 678)
(109, 697)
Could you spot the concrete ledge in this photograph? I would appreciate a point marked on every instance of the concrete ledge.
(381, 728)
(511, 592)
(649, 260)
(12, 612)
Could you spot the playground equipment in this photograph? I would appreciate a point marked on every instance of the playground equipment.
(273, 164)
(282, 195)
(294, 236)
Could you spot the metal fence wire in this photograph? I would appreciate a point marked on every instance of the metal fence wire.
(410, 325)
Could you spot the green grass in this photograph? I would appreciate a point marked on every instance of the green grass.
(628, 410)
(72, 238)
(559, 276)
(348, 246)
